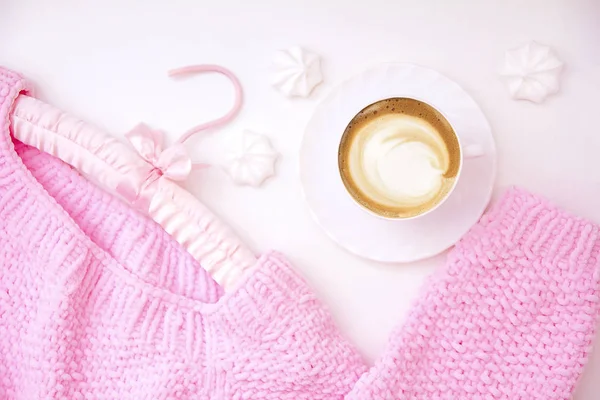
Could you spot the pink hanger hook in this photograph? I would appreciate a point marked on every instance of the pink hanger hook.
(192, 69)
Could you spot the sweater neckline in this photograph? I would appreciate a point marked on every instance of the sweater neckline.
(45, 201)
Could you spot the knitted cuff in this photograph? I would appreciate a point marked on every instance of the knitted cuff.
(11, 85)
(511, 315)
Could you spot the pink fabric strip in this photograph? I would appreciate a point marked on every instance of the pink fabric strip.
(193, 69)
(174, 162)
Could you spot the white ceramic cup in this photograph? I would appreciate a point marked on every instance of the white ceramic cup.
(467, 151)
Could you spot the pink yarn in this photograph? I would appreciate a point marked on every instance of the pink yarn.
(99, 302)
(511, 316)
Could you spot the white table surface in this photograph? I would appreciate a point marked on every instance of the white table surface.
(106, 62)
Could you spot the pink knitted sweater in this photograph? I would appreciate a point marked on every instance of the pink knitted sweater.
(511, 316)
(97, 301)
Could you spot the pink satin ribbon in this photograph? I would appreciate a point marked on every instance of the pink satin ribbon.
(172, 162)
(231, 114)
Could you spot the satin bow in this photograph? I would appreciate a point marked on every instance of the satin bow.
(172, 162)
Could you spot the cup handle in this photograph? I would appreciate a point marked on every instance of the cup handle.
(473, 151)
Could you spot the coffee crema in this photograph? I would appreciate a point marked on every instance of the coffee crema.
(399, 157)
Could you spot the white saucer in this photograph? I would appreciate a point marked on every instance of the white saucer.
(354, 228)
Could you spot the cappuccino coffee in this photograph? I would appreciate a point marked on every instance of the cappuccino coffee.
(399, 158)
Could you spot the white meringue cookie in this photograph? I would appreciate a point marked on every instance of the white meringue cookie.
(532, 72)
(297, 72)
(251, 159)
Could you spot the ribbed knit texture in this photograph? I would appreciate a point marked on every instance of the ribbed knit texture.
(99, 302)
(511, 315)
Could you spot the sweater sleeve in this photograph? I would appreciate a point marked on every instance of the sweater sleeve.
(511, 315)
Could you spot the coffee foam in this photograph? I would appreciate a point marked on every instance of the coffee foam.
(399, 157)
